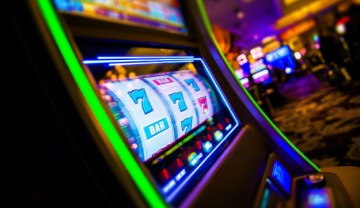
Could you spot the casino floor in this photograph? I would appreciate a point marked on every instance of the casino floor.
(323, 121)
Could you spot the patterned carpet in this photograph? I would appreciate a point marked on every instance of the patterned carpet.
(323, 121)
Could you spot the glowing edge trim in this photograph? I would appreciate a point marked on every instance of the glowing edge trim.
(98, 61)
(53, 23)
(208, 26)
(149, 62)
(143, 57)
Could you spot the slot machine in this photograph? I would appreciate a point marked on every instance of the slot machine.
(283, 59)
(260, 72)
(132, 104)
(243, 77)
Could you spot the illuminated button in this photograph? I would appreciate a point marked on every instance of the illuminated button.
(175, 166)
(228, 127)
(207, 146)
(319, 198)
(164, 175)
(180, 175)
(316, 178)
(198, 145)
(194, 158)
(208, 136)
(218, 135)
(220, 126)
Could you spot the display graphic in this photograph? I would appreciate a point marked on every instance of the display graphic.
(261, 76)
(162, 108)
(260, 72)
(163, 15)
(281, 176)
(171, 111)
(282, 58)
(258, 65)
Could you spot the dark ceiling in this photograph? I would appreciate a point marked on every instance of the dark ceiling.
(257, 21)
(260, 18)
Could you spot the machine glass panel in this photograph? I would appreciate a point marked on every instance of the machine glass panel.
(171, 110)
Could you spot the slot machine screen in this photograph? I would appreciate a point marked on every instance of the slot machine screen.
(281, 176)
(163, 15)
(282, 58)
(261, 76)
(258, 65)
(171, 110)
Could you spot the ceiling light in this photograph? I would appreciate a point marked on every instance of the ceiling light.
(240, 15)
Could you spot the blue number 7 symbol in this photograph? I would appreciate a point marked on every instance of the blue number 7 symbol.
(141, 94)
(186, 123)
(193, 83)
(179, 96)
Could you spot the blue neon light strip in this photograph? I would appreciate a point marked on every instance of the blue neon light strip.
(144, 57)
(116, 61)
(133, 60)
(136, 63)
(177, 61)
(151, 62)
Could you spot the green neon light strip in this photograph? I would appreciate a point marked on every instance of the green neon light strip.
(204, 16)
(147, 190)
